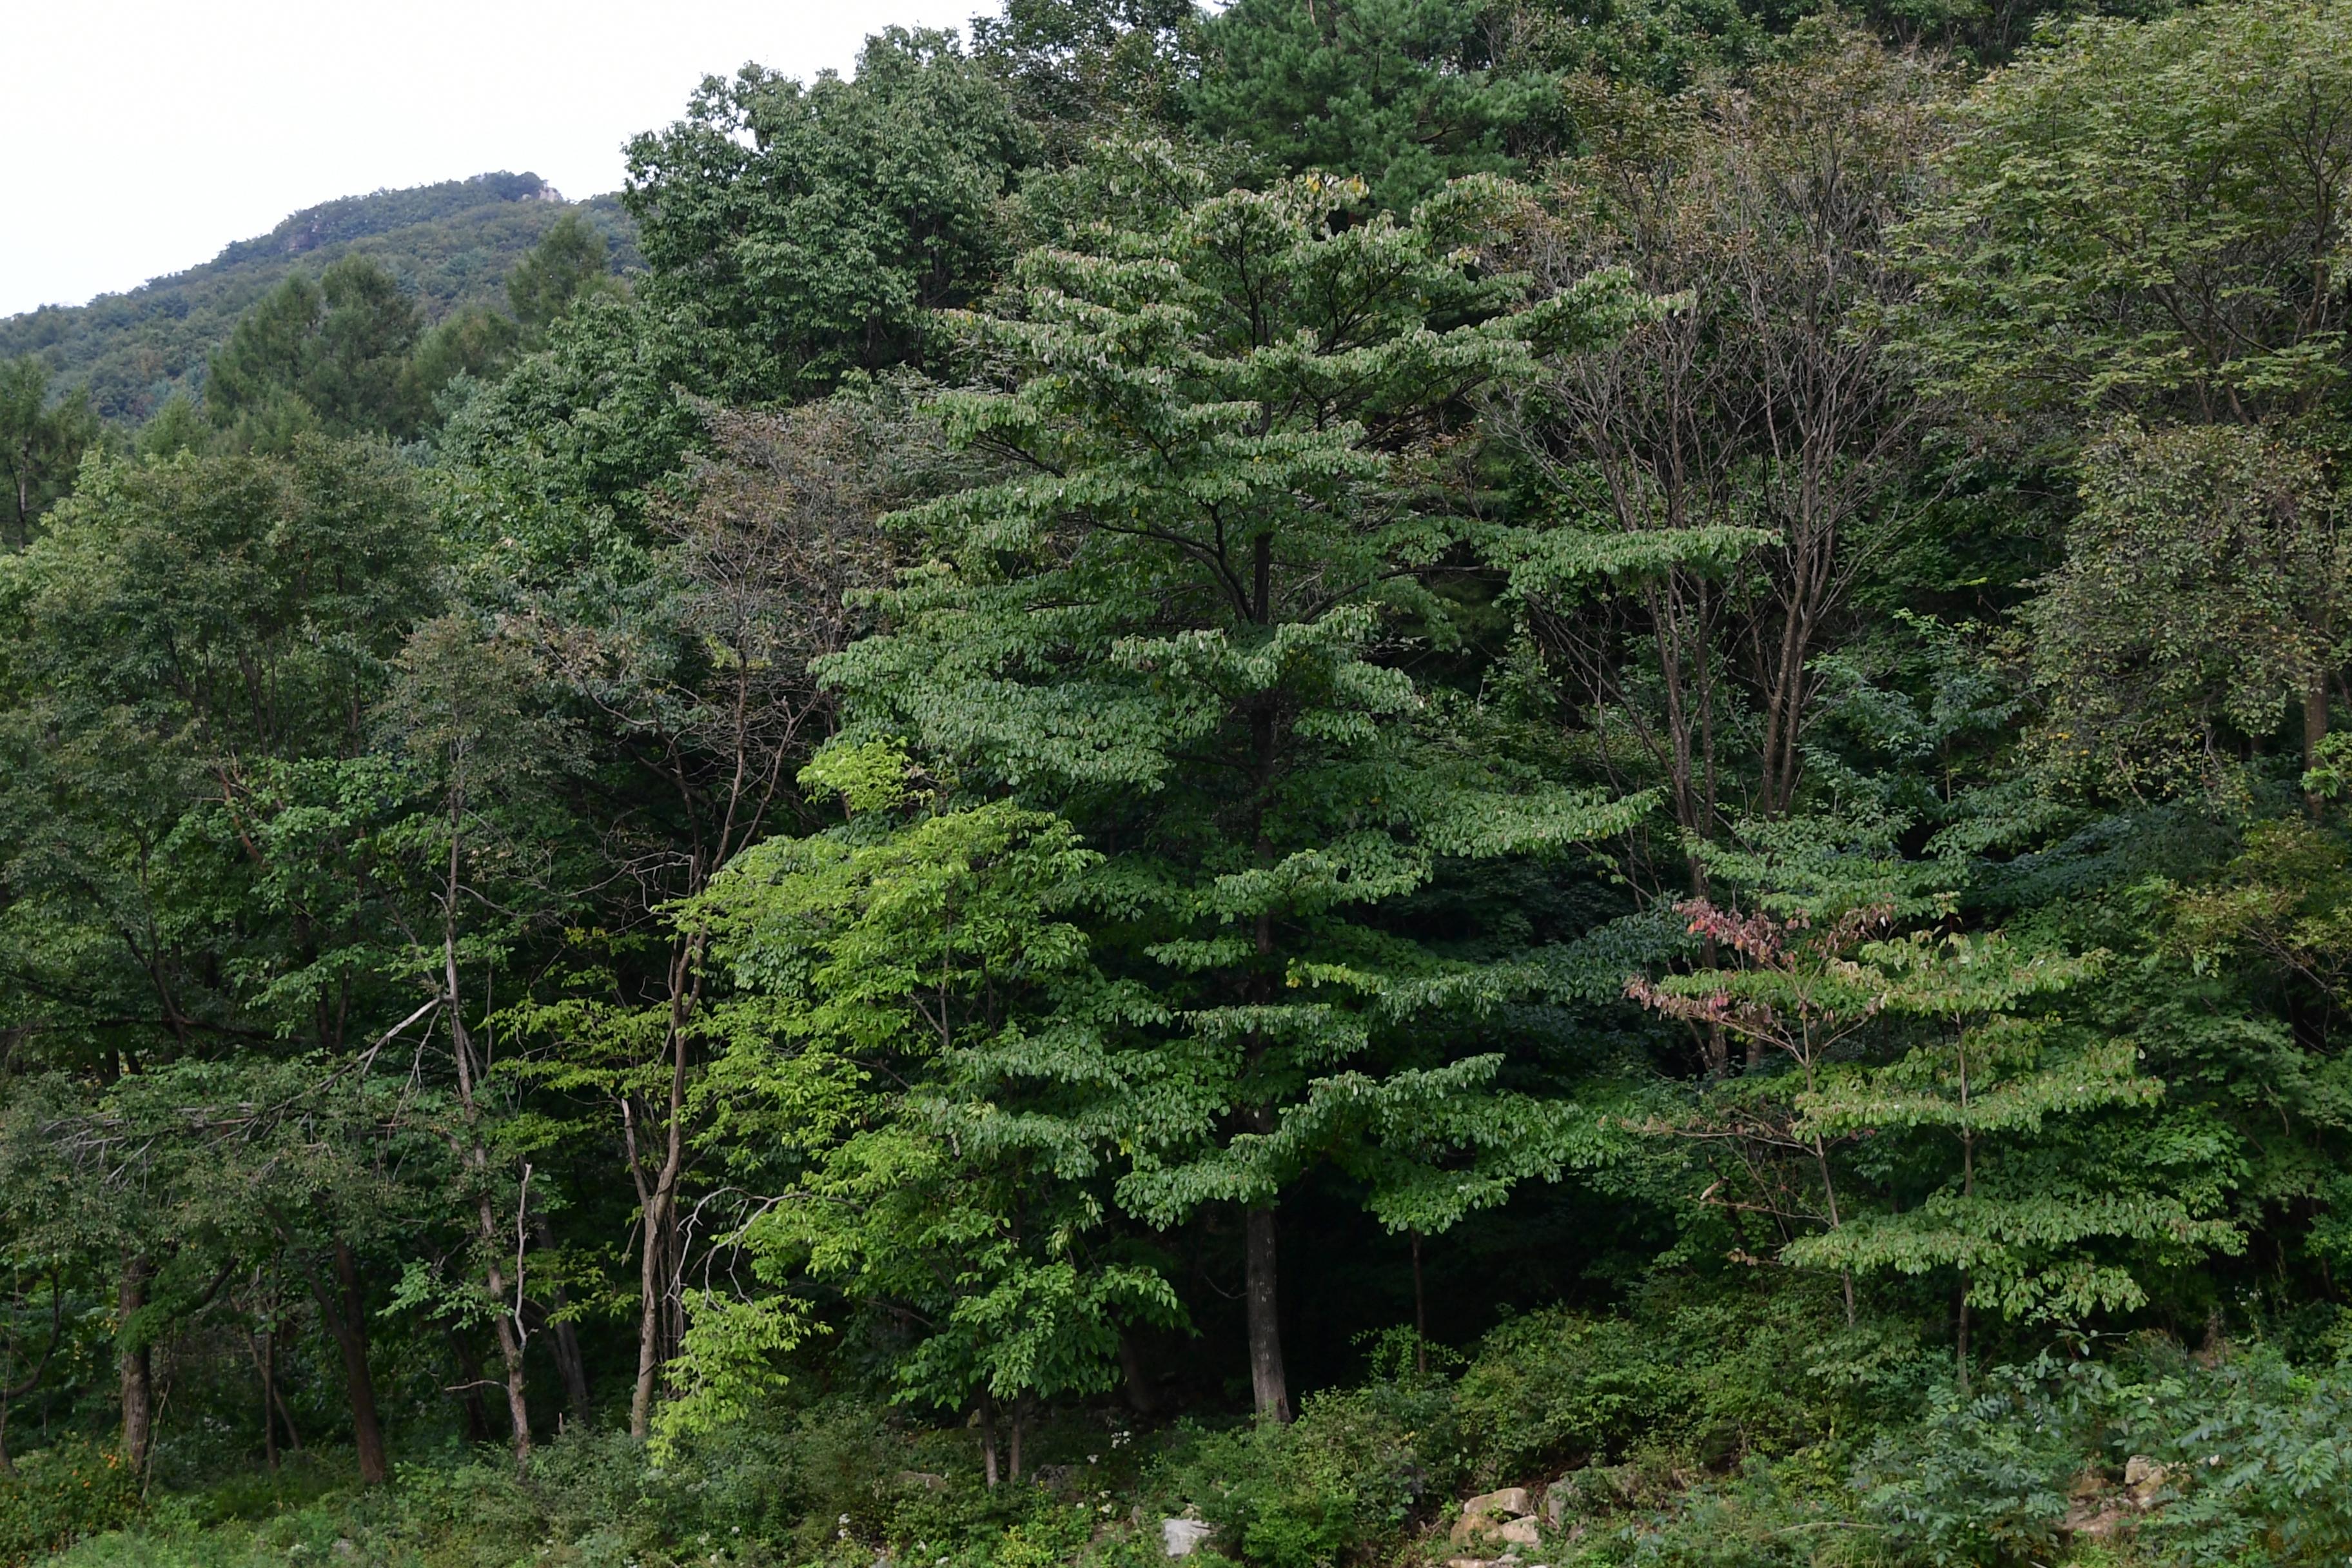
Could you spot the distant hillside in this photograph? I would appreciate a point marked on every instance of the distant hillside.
(452, 243)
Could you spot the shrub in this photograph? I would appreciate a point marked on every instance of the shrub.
(57, 1495)
(1342, 1483)
(1985, 1479)
(2257, 1454)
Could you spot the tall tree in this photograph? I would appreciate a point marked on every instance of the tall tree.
(569, 261)
(1185, 626)
(2144, 218)
(2204, 596)
(1078, 69)
(810, 229)
(1715, 476)
(41, 444)
(185, 632)
(897, 981)
(329, 356)
(702, 683)
(1407, 93)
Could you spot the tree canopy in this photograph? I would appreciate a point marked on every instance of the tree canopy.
(1341, 780)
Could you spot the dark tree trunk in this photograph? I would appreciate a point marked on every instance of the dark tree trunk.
(1139, 1391)
(2315, 731)
(1960, 1338)
(344, 1309)
(568, 1362)
(659, 1263)
(264, 1350)
(1267, 1384)
(136, 1363)
(1420, 1314)
(470, 1381)
(988, 1440)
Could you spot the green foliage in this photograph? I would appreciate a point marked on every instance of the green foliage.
(931, 958)
(1345, 1481)
(571, 261)
(1986, 1480)
(811, 230)
(325, 355)
(1197, 399)
(451, 243)
(2139, 218)
(1076, 69)
(2199, 600)
(41, 444)
(1405, 93)
(58, 1494)
(847, 895)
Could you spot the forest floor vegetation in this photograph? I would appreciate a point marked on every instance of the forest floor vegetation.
(1714, 1429)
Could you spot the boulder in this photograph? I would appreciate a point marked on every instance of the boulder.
(2146, 1480)
(1511, 1502)
(1488, 1518)
(1182, 1537)
(2094, 1519)
(1519, 1532)
(1589, 1489)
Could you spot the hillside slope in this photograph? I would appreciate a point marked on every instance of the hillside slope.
(452, 243)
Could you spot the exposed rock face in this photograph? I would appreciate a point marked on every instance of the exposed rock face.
(2146, 1480)
(1586, 1491)
(1496, 1519)
(1182, 1537)
(2096, 1511)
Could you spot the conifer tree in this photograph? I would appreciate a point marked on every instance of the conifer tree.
(1409, 94)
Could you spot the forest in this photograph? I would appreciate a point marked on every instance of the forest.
(449, 246)
(1318, 784)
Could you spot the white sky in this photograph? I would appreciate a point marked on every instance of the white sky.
(138, 137)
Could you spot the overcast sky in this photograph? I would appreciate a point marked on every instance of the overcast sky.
(142, 136)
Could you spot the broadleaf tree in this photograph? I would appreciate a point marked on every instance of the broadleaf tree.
(1186, 625)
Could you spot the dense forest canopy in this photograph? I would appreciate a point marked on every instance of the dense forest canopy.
(1330, 782)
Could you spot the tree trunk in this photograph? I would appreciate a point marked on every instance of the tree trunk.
(265, 1367)
(568, 1362)
(658, 1261)
(1267, 1384)
(344, 1310)
(470, 1383)
(653, 1286)
(511, 1353)
(137, 1365)
(477, 1157)
(1140, 1394)
(1419, 1315)
(1960, 1338)
(2315, 731)
(1268, 1387)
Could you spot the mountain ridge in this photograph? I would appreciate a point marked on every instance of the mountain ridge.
(451, 243)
